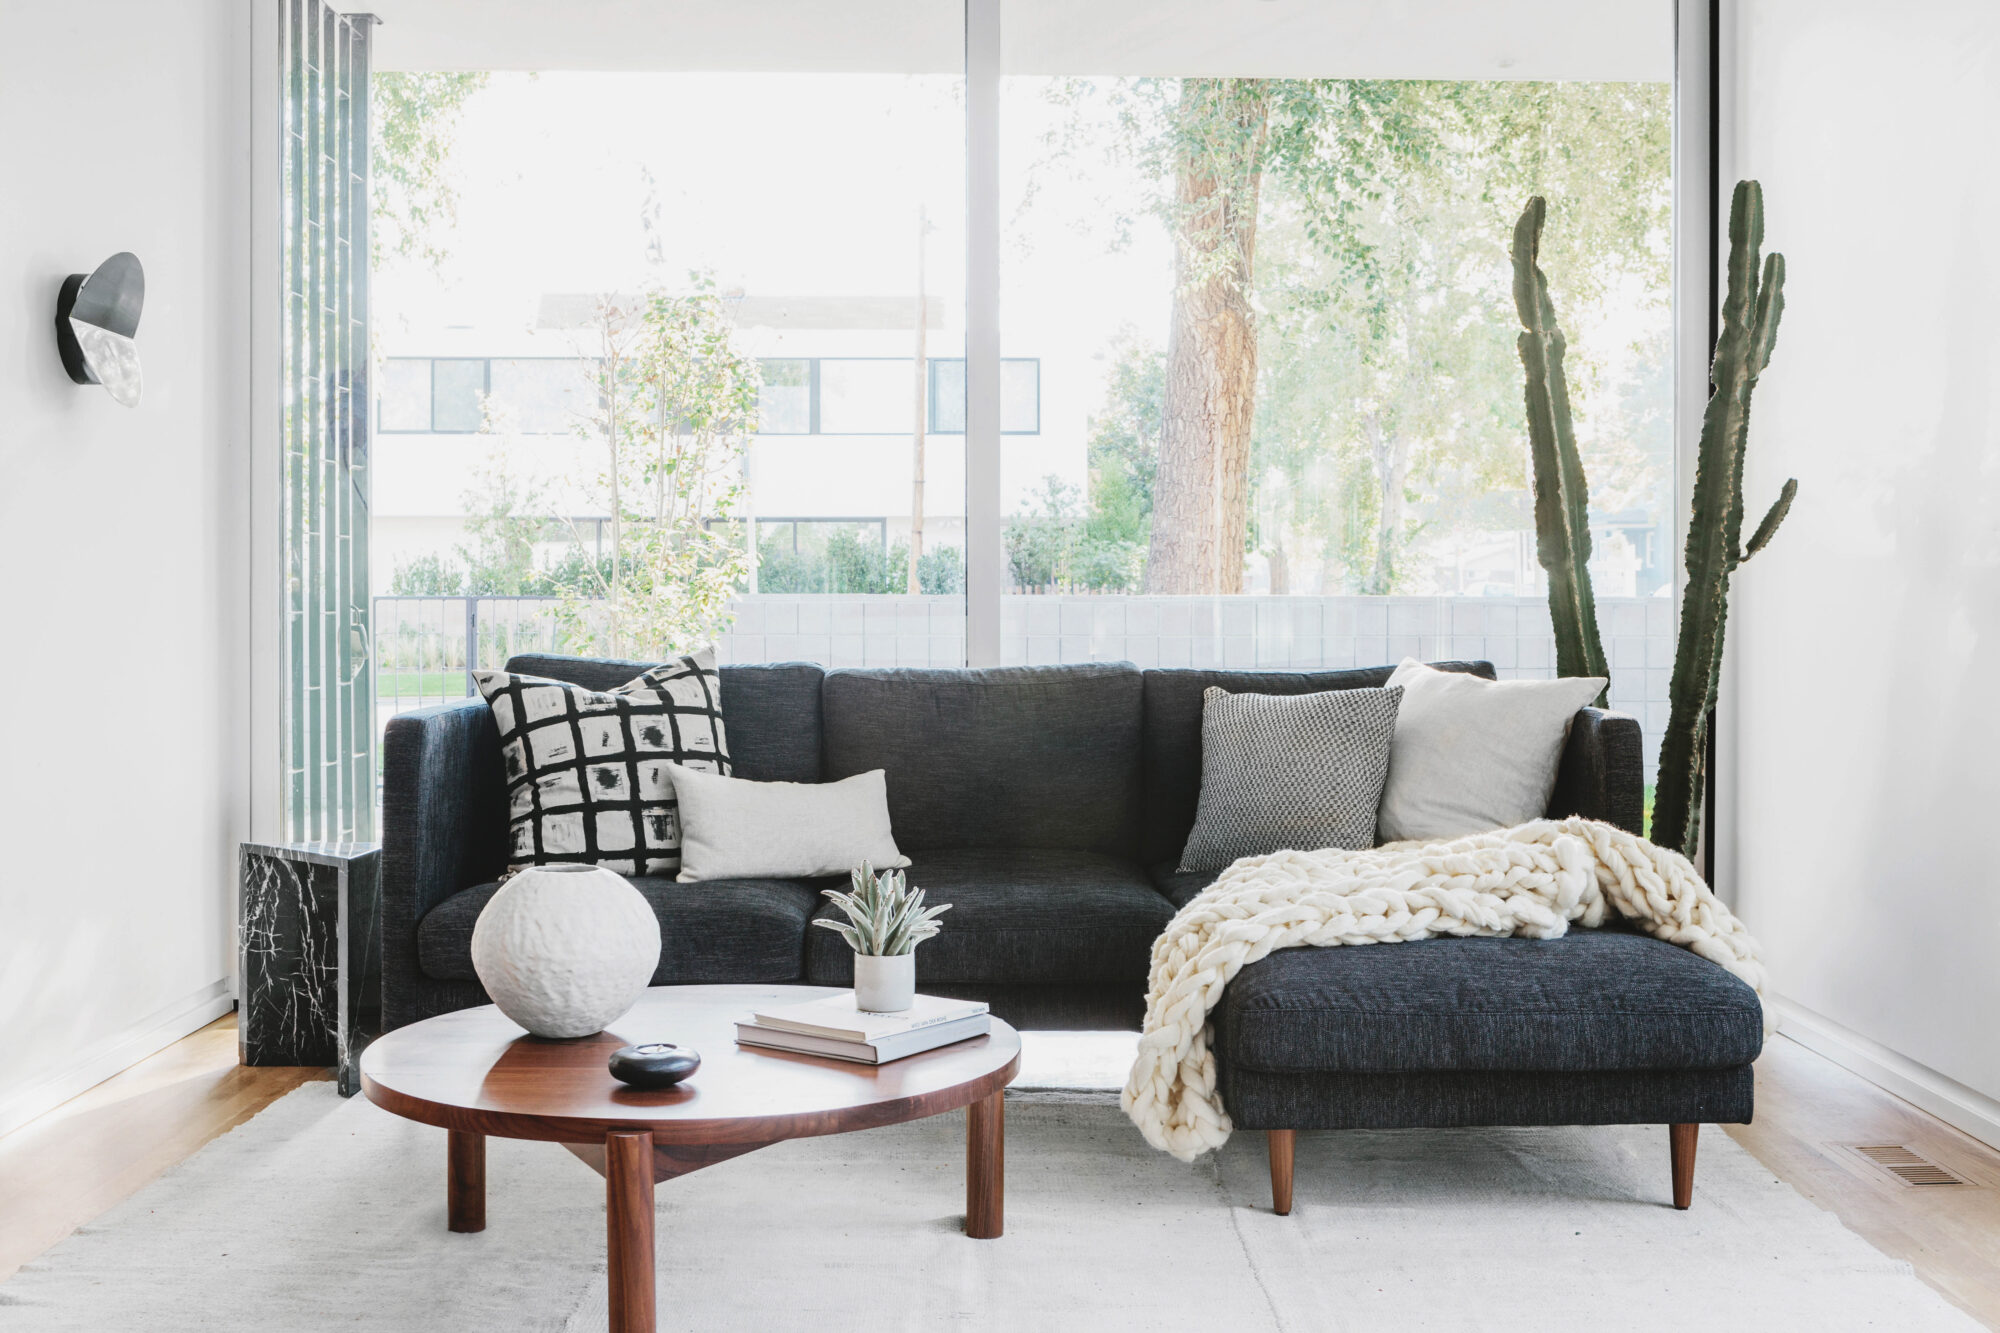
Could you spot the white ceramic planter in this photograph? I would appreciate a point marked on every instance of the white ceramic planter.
(566, 950)
(885, 984)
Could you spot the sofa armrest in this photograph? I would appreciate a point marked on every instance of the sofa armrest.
(1603, 770)
(444, 828)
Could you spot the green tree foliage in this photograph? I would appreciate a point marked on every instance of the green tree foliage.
(430, 575)
(1055, 547)
(505, 518)
(850, 563)
(676, 401)
(1387, 409)
(1123, 448)
(413, 119)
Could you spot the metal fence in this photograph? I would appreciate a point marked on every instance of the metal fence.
(426, 648)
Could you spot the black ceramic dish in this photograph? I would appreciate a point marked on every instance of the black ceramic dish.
(653, 1064)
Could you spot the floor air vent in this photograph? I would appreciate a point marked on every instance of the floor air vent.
(1909, 1167)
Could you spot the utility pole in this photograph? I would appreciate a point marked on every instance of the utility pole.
(919, 422)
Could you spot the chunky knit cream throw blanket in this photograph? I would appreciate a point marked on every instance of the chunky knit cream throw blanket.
(1532, 880)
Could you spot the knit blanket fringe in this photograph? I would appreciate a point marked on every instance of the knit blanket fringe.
(1531, 880)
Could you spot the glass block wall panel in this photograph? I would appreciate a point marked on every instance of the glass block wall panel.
(329, 726)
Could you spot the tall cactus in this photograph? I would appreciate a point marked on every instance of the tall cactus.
(1562, 497)
(1750, 313)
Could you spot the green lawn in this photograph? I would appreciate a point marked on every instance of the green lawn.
(419, 684)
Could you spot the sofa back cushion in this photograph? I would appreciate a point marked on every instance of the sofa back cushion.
(1172, 731)
(771, 714)
(1022, 757)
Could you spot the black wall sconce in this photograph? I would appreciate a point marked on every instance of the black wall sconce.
(97, 317)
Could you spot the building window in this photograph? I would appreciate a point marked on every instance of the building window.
(871, 396)
(540, 395)
(865, 397)
(458, 397)
(1020, 396)
(784, 401)
(535, 395)
(406, 394)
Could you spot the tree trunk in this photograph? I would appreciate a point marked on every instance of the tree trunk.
(1201, 497)
(1389, 454)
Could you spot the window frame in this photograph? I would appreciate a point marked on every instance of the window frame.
(931, 393)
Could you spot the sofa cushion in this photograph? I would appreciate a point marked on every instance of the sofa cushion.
(1179, 886)
(1020, 917)
(1004, 757)
(719, 931)
(1606, 999)
(1172, 736)
(771, 713)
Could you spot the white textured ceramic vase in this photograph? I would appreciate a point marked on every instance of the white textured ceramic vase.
(566, 950)
(885, 983)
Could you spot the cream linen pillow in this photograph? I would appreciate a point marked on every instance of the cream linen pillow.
(1471, 755)
(733, 828)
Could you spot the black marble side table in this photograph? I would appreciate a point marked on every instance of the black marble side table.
(309, 955)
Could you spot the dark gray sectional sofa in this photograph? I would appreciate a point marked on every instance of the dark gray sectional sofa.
(1049, 806)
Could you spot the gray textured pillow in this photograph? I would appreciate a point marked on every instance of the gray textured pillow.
(1289, 771)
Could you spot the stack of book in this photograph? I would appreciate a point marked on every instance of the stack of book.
(833, 1026)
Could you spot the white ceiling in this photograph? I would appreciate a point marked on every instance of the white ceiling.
(1439, 39)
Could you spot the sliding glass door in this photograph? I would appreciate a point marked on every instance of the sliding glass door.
(922, 332)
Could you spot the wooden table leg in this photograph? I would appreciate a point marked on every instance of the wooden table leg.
(985, 1166)
(628, 1209)
(465, 1181)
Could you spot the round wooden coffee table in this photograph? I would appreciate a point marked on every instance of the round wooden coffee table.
(475, 1073)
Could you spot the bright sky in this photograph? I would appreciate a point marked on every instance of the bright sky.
(781, 184)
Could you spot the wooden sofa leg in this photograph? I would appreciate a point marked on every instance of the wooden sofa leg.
(1681, 1138)
(1282, 1142)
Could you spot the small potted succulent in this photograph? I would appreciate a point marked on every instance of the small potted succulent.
(886, 920)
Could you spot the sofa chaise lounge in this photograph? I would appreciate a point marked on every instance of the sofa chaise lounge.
(1049, 806)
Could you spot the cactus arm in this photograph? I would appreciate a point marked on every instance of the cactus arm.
(1770, 309)
(1561, 493)
(1772, 518)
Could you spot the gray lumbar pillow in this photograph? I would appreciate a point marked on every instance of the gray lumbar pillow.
(1289, 771)
(732, 828)
(1472, 754)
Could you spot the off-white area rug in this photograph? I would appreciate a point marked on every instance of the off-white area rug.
(321, 1213)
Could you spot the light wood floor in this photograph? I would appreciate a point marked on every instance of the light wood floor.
(1808, 1107)
(80, 1159)
(61, 1170)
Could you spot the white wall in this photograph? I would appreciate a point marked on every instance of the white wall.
(121, 791)
(1867, 782)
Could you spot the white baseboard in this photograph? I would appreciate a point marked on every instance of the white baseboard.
(117, 1052)
(1961, 1107)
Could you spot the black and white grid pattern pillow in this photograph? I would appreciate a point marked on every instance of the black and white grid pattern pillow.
(1300, 771)
(587, 770)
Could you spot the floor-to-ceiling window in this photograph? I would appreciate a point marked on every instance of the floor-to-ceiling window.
(676, 355)
(1263, 250)
(674, 337)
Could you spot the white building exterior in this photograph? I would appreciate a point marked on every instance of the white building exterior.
(835, 445)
